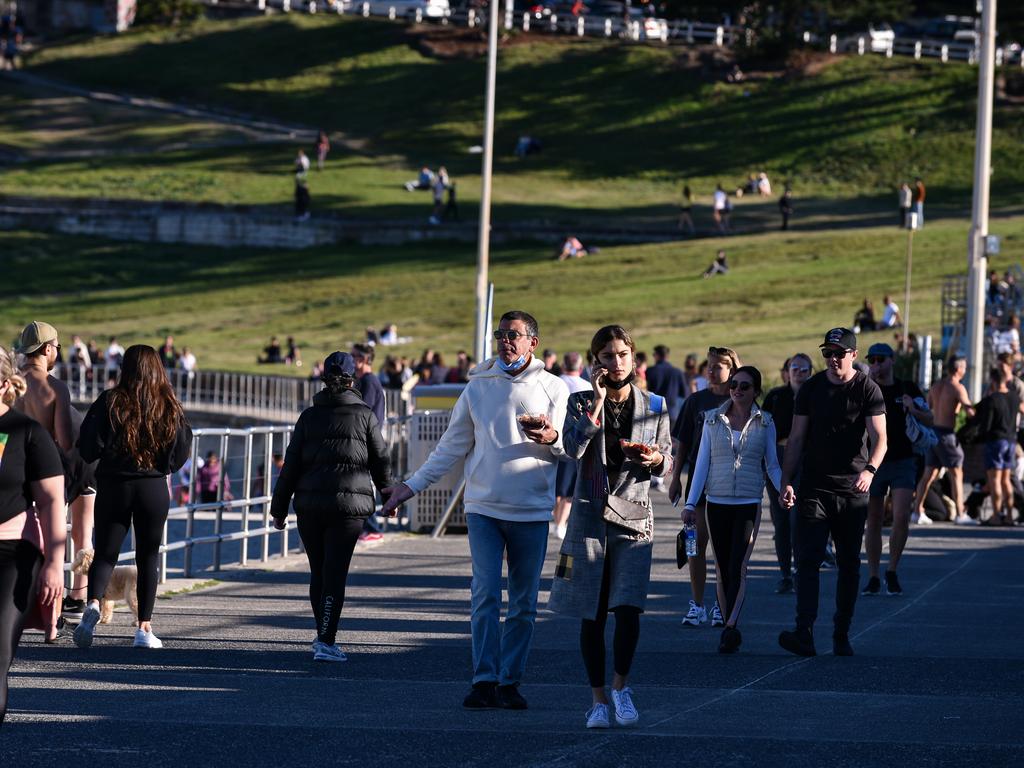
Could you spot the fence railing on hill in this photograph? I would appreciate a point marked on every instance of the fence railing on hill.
(640, 29)
(274, 398)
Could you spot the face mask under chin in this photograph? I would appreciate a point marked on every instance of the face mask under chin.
(519, 362)
(611, 384)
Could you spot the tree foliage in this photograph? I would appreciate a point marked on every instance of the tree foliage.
(167, 12)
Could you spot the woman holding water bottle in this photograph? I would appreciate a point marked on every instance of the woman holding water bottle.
(737, 445)
(619, 434)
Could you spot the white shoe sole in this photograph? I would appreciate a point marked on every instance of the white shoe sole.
(329, 657)
(627, 723)
(83, 633)
(599, 725)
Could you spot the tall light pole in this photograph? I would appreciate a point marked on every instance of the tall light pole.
(976, 260)
(480, 345)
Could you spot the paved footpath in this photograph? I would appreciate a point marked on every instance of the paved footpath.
(938, 678)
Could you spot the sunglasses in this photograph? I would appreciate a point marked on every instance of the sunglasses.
(742, 386)
(720, 351)
(512, 336)
(839, 354)
(877, 359)
(800, 368)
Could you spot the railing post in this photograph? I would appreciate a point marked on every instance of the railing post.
(312, 6)
(689, 32)
(261, 5)
(607, 27)
(917, 49)
(339, 8)
(554, 22)
(366, 10)
(391, 13)
(286, 5)
(860, 46)
(419, 15)
(888, 49)
(247, 490)
(509, 15)
(581, 26)
(719, 36)
(833, 43)
(471, 18)
(526, 21)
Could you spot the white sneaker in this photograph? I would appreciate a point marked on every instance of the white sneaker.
(597, 716)
(965, 520)
(920, 519)
(145, 639)
(329, 653)
(625, 712)
(84, 630)
(716, 616)
(696, 616)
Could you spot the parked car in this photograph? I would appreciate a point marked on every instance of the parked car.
(877, 39)
(429, 9)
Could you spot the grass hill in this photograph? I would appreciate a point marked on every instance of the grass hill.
(623, 125)
(784, 291)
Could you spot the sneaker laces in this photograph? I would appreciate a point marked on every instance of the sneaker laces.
(624, 703)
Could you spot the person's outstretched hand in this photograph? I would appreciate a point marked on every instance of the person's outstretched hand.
(394, 496)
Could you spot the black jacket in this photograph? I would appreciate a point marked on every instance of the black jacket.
(335, 456)
(97, 441)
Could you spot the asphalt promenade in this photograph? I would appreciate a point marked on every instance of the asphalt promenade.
(938, 678)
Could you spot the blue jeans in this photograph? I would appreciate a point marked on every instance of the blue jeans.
(499, 655)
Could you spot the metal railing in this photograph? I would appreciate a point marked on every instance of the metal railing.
(919, 48)
(277, 398)
(224, 520)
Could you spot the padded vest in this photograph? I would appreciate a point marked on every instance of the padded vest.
(737, 471)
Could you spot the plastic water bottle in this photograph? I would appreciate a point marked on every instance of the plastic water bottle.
(691, 539)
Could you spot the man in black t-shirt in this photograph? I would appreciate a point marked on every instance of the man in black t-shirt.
(897, 474)
(997, 413)
(687, 431)
(835, 413)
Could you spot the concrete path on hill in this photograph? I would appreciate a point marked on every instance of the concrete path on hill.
(937, 679)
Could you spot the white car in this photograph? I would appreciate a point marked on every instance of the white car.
(877, 39)
(429, 9)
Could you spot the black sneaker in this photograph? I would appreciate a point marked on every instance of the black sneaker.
(841, 644)
(730, 640)
(799, 641)
(784, 586)
(873, 587)
(72, 607)
(482, 696)
(892, 584)
(509, 697)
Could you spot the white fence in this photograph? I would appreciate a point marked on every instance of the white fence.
(919, 49)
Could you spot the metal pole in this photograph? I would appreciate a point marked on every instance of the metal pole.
(906, 299)
(976, 261)
(484, 237)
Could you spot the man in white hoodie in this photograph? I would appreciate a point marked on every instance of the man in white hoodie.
(510, 490)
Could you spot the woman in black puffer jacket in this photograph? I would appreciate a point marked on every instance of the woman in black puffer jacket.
(335, 457)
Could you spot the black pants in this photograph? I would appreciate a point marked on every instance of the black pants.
(627, 635)
(818, 515)
(329, 540)
(782, 521)
(20, 563)
(733, 528)
(121, 503)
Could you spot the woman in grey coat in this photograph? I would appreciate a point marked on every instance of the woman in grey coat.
(605, 566)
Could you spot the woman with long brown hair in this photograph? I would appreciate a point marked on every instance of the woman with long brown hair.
(138, 432)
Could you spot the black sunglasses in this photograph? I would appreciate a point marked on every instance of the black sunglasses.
(877, 359)
(720, 351)
(836, 353)
(742, 386)
(509, 335)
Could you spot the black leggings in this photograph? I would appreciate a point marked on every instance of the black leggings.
(120, 504)
(624, 642)
(733, 528)
(329, 540)
(20, 563)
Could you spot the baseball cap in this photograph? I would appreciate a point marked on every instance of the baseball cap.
(339, 364)
(881, 349)
(35, 335)
(840, 337)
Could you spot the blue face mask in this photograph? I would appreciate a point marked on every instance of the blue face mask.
(519, 362)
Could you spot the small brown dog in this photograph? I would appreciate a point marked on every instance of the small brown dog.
(123, 585)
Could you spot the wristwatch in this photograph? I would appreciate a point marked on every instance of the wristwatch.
(871, 468)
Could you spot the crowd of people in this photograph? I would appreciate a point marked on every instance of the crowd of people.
(571, 445)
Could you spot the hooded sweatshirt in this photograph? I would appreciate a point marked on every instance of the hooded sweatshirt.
(508, 476)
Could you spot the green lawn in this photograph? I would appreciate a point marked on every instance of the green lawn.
(623, 126)
(784, 290)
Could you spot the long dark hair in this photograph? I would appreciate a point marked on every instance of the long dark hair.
(610, 333)
(144, 412)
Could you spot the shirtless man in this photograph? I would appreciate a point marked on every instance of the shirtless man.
(946, 398)
(48, 401)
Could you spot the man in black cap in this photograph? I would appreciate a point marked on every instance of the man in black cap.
(897, 474)
(834, 415)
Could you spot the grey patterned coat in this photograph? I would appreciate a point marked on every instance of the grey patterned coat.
(589, 540)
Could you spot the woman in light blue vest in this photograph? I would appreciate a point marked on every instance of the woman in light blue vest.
(737, 446)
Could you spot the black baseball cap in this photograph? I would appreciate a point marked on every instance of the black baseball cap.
(840, 337)
(339, 364)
